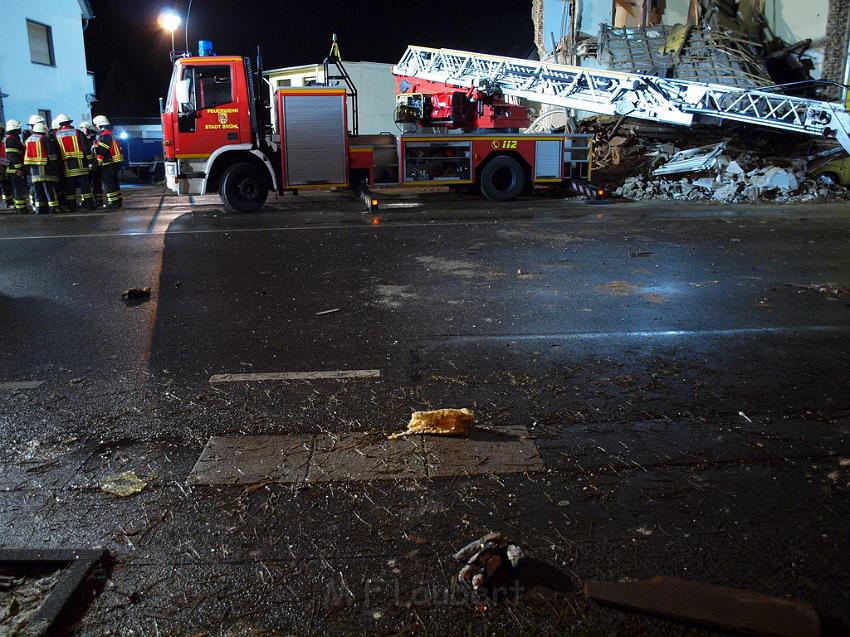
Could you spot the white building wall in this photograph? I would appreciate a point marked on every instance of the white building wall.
(61, 88)
(375, 85)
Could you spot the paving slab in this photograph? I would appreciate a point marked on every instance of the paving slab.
(251, 459)
(363, 456)
(485, 451)
(366, 456)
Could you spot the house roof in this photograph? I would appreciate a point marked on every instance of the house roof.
(85, 8)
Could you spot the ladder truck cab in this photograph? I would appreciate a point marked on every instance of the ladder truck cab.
(219, 137)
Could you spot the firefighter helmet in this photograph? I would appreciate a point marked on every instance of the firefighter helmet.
(39, 127)
(86, 126)
(54, 124)
(61, 118)
(101, 121)
(12, 125)
(35, 118)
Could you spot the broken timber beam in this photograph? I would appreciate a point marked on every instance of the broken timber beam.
(710, 605)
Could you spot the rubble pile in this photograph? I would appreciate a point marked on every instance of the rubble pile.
(742, 179)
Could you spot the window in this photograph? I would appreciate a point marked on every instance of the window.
(210, 86)
(284, 83)
(41, 43)
(46, 114)
(310, 81)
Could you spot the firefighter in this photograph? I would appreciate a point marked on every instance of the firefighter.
(90, 133)
(110, 158)
(76, 156)
(5, 186)
(14, 150)
(36, 159)
(55, 167)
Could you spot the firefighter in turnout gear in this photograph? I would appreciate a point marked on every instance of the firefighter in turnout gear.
(14, 150)
(36, 159)
(109, 158)
(90, 133)
(5, 186)
(76, 156)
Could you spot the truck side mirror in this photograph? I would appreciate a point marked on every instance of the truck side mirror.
(182, 93)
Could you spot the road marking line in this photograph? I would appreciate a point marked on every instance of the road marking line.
(21, 384)
(577, 336)
(340, 374)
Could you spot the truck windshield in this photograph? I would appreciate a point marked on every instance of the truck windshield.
(210, 86)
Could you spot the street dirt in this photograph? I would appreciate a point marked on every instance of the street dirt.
(683, 371)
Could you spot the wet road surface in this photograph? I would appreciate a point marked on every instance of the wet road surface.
(686, 386)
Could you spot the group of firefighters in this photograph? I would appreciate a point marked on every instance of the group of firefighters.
(60, 168)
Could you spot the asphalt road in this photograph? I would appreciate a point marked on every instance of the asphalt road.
(685, 380)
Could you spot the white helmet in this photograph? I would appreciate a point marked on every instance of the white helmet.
(100, 121)
(61, 118)
(35, 118)
(12, 125)
(86, 126)
(54, 124)
(39, 127)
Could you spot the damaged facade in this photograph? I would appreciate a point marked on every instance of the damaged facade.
(786, 48)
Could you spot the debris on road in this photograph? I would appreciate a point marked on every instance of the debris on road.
(831, 290)
(717, 606)
(125, 484)
(692, 160)
(441, 422)
(331, 311)
(137, 295)
(487, 558)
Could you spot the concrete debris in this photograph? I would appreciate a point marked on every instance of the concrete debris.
(716, 606)
(739, 179)
(442, 422)
(692, 160)
(488, 559)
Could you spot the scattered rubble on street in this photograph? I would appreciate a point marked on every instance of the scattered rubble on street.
(443, 422)
(21, 595)
(489, 559)
(136, 295)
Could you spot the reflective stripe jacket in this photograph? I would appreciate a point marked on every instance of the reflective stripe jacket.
(108, 148)
(36, 150)
(14, 153)
(74, 149)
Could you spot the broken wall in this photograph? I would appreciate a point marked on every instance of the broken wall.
(837, 42)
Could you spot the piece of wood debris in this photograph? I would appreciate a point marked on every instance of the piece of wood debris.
(718, 606)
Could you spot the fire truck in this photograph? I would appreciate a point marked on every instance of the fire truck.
(220, 135)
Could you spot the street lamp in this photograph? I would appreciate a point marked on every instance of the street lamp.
(169, 21)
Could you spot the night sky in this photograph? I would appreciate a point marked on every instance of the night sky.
(293, 33)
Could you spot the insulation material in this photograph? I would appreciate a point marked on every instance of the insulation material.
(441, 422)
(707, 56)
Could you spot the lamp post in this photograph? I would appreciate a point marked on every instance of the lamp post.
(169, 21)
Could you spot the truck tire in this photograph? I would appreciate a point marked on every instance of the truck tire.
(502, 179)
(243, 188)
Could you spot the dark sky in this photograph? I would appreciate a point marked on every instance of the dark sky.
(293, 33)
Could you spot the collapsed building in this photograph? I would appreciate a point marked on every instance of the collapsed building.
(766, 45)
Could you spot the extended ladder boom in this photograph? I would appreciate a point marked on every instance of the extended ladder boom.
(631, 94)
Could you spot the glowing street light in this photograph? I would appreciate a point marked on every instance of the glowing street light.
(169, 21)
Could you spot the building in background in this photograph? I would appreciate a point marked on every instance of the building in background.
(375, 85)
(43, 64)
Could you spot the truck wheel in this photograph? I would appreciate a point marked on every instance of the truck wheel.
(243, 188)
(502, 179)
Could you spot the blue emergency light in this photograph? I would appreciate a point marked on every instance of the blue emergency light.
(205, 48)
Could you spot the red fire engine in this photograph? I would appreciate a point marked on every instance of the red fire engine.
(220, 136)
